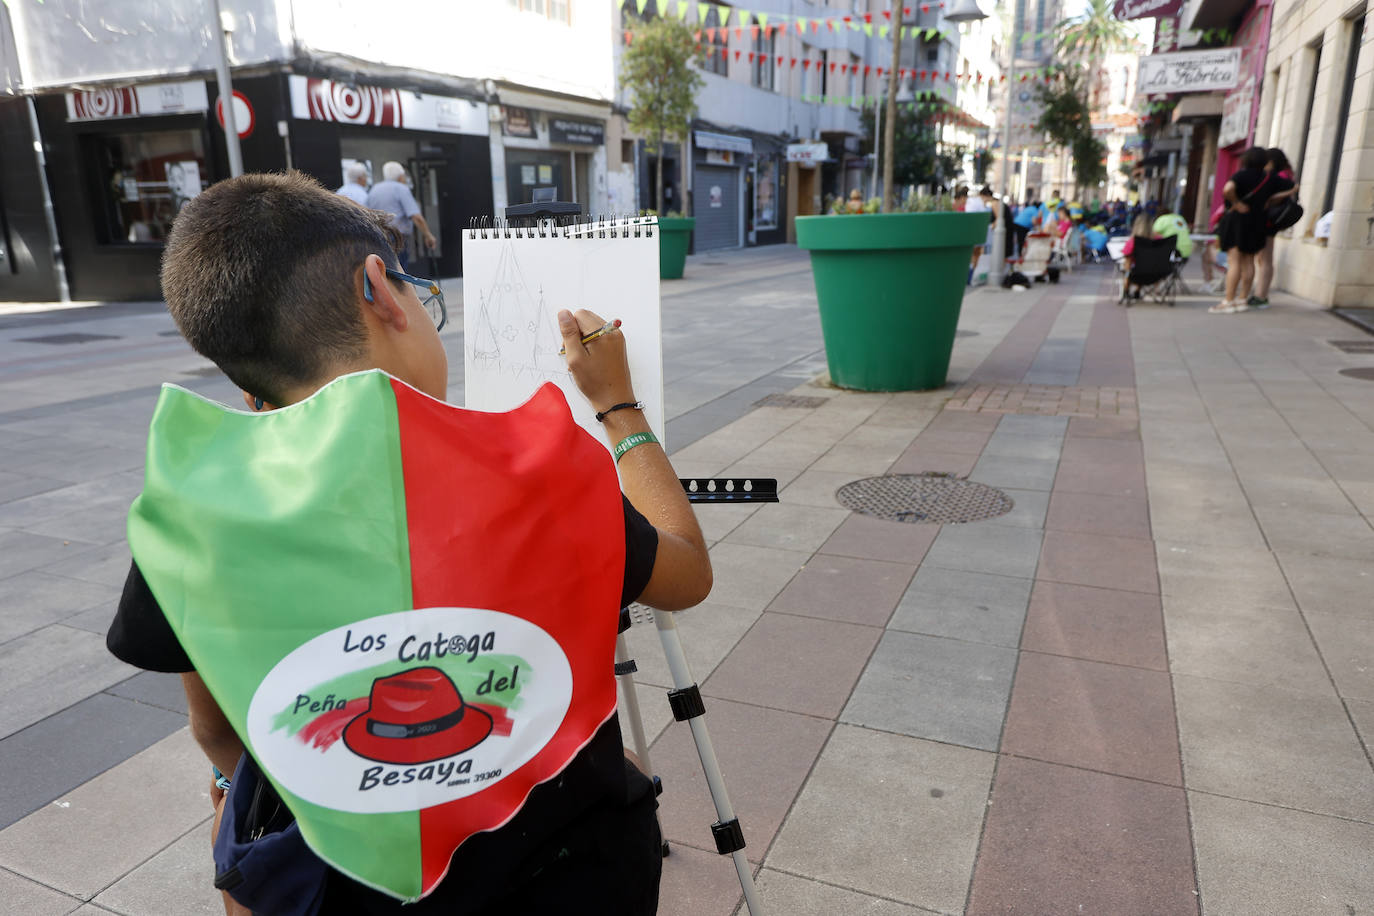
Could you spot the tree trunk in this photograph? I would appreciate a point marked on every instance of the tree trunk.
(890, 128)
(659, 196)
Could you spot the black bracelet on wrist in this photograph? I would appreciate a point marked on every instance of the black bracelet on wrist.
(630, 405)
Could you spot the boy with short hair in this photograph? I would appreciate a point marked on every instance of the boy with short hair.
(294, 293)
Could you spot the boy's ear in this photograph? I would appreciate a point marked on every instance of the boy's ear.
(379, 295)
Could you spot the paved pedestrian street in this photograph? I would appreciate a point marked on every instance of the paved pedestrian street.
(1148, 688)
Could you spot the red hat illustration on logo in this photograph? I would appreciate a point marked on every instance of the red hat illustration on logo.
(416, 716)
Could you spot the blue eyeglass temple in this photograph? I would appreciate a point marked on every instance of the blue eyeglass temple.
(429, 286)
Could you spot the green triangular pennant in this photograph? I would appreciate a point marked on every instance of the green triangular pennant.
(744, 17)
(642, 4)
(703, 10)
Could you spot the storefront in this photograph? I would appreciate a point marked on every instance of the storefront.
(122, 161)
(719, 186)
(441, 140)
(548, 141)
(765, 214)
(1240, 106)
(27, 268)
(804, 161)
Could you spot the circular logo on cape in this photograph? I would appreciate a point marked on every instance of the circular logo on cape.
(409, 710)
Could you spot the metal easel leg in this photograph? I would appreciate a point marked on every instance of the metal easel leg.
(627, 690)
(688, 707)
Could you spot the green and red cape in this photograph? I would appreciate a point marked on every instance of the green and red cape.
(406, 610)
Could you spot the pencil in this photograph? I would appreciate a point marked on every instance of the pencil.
(605, 329)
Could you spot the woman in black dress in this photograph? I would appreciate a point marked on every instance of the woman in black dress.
(1241, 233)
(1285, 186)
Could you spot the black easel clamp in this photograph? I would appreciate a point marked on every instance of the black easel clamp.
(729, 836)
(625, 667)
(730, 489)
(686, 703)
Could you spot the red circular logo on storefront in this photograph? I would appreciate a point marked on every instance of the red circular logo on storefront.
(244, 118)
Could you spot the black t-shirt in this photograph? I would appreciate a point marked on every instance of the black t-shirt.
(1254, 187)
(598, 800)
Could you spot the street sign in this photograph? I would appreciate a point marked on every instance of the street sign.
(1190, 71)
(244, 118)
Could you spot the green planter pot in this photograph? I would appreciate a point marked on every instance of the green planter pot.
(890, 286)
(674, 235)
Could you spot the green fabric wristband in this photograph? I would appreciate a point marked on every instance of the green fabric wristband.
(629, 442)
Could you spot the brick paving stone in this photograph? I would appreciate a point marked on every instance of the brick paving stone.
(1227, 734)
(697, 882)
(920, 851)
(780, 892)
(1254, 858)
(178, 881)
(968, 606)
(846, 589)
(872, 538)
(929, 687)
(1277, 651)
(26, 897)
(764, 755)
(1109, 718)
(1065, 840)
(776, 664)
(919, 460)
(1090, 513)
(1099, 561)
(1100, 624)
(1125, 479)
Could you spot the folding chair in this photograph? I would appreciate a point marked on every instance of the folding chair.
(1153, 267)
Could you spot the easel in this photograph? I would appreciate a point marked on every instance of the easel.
(685, 697)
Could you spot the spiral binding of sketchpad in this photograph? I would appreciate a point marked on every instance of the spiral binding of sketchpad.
(587, 227)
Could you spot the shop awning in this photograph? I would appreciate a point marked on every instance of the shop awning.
(1215, 14)
(1196, 107)
(706, 139)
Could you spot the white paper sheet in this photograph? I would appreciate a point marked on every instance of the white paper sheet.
(513, 288)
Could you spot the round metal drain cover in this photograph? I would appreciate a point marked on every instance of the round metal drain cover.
(1364, 373)
(915, 498)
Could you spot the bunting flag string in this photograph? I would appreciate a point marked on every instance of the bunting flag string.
(759, 22)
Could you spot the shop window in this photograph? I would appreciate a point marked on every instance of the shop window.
(1354, 31)
(1315, 53)
(766, 194)
(144, 180)
(762, 75)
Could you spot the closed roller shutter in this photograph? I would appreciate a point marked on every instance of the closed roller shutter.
(717, 226)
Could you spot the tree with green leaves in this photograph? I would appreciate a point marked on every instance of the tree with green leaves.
(1067, 120)
(658, 70)
(1085, 40)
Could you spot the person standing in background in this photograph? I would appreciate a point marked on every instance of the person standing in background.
(392, 195)
(1278, 167)
(355, 183)
(1241, 232)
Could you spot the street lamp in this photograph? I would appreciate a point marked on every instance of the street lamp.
(966, 11)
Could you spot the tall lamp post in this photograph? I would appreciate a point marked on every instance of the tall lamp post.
(964, 11)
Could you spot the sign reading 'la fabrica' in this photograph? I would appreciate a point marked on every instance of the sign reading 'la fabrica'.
(1190, 71)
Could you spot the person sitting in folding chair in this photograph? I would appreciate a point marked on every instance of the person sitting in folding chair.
(1151, 264)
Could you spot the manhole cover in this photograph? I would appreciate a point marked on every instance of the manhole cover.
(914, 498)
(1363, 373)
(67, 338)
(790, 400)
(1354, 346)
(965, 333)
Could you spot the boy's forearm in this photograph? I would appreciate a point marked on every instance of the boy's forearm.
(650, 482)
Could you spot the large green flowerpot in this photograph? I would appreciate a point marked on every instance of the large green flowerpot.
(674, 235)
(890, 286)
